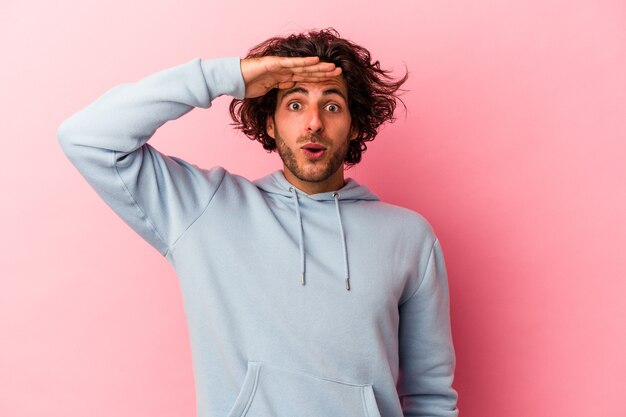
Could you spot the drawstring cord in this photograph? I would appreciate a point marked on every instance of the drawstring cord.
(302, 270)
(301, 237)
(343, 241)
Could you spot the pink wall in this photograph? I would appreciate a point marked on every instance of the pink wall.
(513, 148)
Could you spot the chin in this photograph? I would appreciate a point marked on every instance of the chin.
(312, 177)
(319, 174)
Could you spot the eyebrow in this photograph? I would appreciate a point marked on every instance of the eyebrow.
(304, 91)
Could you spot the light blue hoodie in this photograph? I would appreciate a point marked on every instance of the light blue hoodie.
(326, 305)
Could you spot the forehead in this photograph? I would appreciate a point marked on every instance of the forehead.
(330, 86)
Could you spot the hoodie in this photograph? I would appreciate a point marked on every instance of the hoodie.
(310, 305)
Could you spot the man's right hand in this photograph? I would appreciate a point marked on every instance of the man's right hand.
(265, 73)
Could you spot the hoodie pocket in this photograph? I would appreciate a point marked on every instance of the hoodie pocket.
(269, 391)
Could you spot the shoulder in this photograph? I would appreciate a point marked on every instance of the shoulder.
(402, 219)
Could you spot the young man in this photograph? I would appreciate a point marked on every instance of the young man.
(305, 295)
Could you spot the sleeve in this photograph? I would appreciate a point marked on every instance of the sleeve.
(157, 195)
(427, 358)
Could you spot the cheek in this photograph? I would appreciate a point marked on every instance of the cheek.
(287, 125)
(345, 126)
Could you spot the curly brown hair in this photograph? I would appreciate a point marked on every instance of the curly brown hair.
(372, 92)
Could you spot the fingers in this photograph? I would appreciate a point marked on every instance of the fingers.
(315, 77)
(291, 62)
(317, 74)
(307, 78)
(306, 64)
(261, 74)
(321, 67)
(290, 79)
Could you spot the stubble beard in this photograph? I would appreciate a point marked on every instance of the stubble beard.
(291, 162)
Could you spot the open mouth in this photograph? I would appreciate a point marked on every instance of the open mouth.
(313, 150)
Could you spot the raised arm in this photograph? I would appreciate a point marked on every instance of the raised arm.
(159, 196)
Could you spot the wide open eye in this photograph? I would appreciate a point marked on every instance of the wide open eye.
(294, 105)
(333, 108)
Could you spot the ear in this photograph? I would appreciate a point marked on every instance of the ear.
(354, 132)
(269, 127)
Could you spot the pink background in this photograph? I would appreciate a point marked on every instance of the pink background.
(513, 147)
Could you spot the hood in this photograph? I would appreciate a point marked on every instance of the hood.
(276, 183)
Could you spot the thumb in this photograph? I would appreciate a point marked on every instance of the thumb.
(286, 84)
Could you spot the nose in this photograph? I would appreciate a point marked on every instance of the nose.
(314, 124)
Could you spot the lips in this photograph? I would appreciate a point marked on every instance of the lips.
(313, 146)
(313, 150)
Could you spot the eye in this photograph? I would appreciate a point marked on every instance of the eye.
(333, 108)
(294, 105)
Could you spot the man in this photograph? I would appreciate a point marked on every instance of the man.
(305, 295)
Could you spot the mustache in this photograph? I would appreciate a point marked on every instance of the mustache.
(315, 138)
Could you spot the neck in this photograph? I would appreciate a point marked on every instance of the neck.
(332, 183)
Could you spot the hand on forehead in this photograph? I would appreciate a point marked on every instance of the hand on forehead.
(261, 74)
(309, 69)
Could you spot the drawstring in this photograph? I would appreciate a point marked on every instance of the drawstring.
(343, 241)
(291, 189)
(301, 237)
